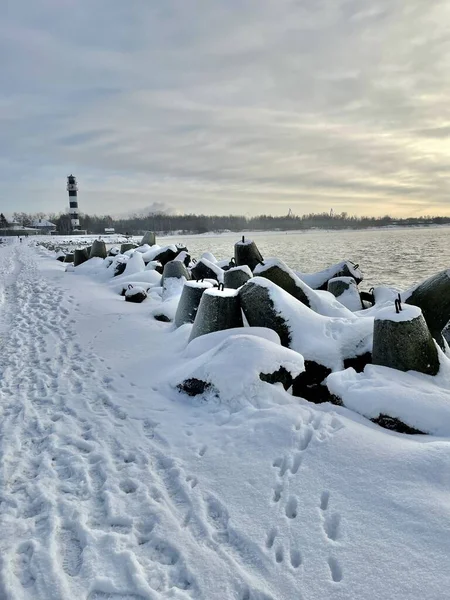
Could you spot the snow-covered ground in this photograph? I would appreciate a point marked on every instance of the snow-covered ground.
(114, 485)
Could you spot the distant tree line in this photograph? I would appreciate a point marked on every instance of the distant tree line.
(190, 223)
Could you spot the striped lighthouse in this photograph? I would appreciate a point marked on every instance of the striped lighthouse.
(72, 188)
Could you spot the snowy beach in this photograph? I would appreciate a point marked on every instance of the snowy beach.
(117, 486)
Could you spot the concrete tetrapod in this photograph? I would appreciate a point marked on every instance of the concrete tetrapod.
(127, 246)
(403, 341)
(205, 269)
(168, 253)
(149, 238)
(236, 276)
(219, 309)
(319, 281)
(346, 291)
(175, 269)
(98, 249)
(246, 253)
(80, 256)
(326, 343)
(433, 298)
(189, 302)
(278, 272)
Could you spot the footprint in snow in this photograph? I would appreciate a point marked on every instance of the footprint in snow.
(72, 559)
(23, 569)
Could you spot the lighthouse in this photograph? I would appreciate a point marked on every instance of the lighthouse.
(72, 188)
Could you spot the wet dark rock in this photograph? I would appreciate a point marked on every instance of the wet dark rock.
(280, 376)
(358, 362)
(394, 424)
(310, 384)
(135, 294)
(194, 387)
(163, 318)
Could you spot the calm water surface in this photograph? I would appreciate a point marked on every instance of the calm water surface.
(393, 257)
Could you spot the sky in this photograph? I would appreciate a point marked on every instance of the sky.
(226, 107)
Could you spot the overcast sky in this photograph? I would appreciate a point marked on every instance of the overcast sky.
(237, 106)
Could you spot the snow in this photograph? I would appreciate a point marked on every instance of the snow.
(420, 401)
(226, 292)
(135, 264)
(325, 340)
(320, 301)
(115, 485)
(207, 342)
(245, 268)
(407, 313)
(233, 368)
(315, 280)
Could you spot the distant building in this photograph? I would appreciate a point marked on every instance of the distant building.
(45, 227)
(110, 230)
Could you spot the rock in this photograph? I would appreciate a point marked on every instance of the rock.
(433, 298)
(346, 291)
(194, 386)
(68, 258)
(189, 301)
(114, 251)
(119, 266)
(219, 309)
(149, 238)
(394, 424)
(135, 294)
(234, 277)
(246, 253)
(205, 269)
(98, 249)
(161, 317)
(403, 341)
(60, 255)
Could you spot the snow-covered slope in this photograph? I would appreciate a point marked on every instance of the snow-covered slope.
(111, 489)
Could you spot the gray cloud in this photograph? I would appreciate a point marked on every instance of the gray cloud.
(240, 106)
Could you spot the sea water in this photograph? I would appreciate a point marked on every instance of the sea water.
(398, 257)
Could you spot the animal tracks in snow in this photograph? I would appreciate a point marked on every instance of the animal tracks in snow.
(306, 433)
(331, 523)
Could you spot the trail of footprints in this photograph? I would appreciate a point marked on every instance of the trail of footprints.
(288, 466)
(331, 523)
